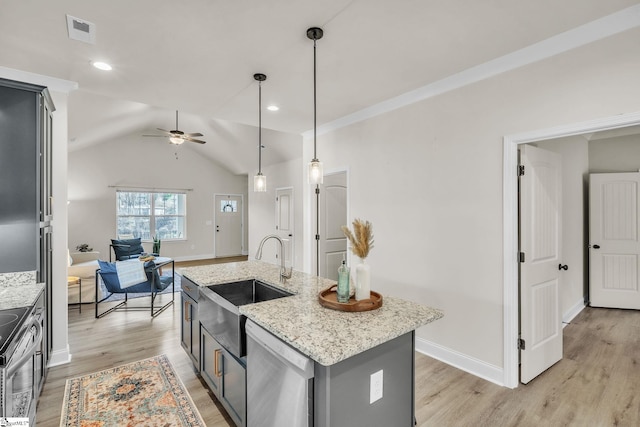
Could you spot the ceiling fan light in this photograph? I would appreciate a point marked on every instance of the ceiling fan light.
(260, 183)
(176, 140)
(315, 172)
(102, 66)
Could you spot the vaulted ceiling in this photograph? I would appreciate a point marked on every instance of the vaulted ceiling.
(199, 56)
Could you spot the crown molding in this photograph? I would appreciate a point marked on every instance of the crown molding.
(599, 29)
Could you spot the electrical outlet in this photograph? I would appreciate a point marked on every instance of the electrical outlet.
(375, 390)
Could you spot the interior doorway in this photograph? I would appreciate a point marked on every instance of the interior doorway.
(228, 210)
(511, 232)
(541, 260)
(285, 223)
(333, 215)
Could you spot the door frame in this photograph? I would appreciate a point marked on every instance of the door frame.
(511, 309)
(312, 252)
(215, 217)
(293, 216)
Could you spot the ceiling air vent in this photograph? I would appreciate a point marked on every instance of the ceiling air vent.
(81, 30)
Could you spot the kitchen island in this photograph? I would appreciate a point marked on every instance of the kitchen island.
(347, 348)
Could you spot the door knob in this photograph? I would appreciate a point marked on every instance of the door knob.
(563, 267)
(596, 246)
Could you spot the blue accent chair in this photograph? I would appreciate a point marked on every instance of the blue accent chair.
(154, 284)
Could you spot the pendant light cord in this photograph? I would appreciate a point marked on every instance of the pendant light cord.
(259, 128)
(315, 157)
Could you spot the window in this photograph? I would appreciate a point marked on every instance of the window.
(228, 206)
(150, 214)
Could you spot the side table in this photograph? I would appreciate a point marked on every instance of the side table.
(75, 280)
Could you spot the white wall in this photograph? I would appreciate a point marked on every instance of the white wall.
(575, 174)
(262, 214)
(619, 154)
(135, 161)
(429, 178)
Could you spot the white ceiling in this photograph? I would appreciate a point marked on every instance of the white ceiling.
(199, 56)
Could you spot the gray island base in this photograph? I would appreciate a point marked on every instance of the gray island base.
(329, 368)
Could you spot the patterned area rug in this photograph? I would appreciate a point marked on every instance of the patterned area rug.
(143, 393)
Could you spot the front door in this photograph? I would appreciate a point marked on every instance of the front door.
(228, 223)
(284, 222)
(541, 249)
(614, 243)
(333, 215)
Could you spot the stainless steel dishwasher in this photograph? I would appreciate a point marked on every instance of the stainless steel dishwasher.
(279, 382)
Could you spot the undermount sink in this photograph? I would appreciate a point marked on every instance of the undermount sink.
(219, 313)
(248, 292)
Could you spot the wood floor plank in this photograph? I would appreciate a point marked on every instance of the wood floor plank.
(120, 338)
(597, 383)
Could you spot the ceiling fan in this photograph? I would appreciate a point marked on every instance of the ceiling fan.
(177, 137)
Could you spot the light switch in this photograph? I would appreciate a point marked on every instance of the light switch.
(375, 392)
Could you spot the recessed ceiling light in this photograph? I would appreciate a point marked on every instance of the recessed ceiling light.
(102, 66)
(273, 108)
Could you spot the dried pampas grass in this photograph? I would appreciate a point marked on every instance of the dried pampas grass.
(361, 239)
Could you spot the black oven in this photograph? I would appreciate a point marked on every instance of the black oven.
(20, 354)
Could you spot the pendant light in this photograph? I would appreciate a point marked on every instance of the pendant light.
(315, 166)
(260, 181)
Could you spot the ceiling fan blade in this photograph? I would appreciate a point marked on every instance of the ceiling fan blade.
(194, 140)
(164, 130)
(193, 134)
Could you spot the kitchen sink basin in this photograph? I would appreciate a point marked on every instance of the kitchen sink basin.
(218, 309)
(248, 292)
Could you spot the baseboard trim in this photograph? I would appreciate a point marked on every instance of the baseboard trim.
(461, 361)
(60, 357)
(194, 258)
(573, 312)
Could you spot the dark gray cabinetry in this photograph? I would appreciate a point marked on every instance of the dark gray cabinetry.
(25, 174)
(343, 391)
(190, 331)
(225, 375)
(26, 191)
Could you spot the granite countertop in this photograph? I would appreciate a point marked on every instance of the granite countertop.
(19, 289)
(325, 335)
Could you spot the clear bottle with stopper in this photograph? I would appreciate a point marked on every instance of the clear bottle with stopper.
(343, 282)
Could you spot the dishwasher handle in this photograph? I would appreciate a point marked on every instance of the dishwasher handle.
(280, 349)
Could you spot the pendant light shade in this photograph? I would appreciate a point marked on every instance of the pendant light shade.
(316, 174)
(260, 181)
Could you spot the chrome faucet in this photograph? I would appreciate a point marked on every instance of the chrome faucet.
(283, 270)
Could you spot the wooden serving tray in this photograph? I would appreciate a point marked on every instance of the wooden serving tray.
(329, 298)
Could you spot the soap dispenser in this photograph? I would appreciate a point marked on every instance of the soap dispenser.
(343, 282)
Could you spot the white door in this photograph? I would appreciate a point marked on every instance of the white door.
(613, 237)
(333, 215)
(228, 223)
(541, 249)
(284, 222)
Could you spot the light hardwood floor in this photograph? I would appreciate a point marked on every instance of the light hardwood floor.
(596, 384)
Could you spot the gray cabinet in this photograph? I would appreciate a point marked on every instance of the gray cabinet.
(25, 174)
(225, 375)
(26, 190)
(343, 392)
(190, 331)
